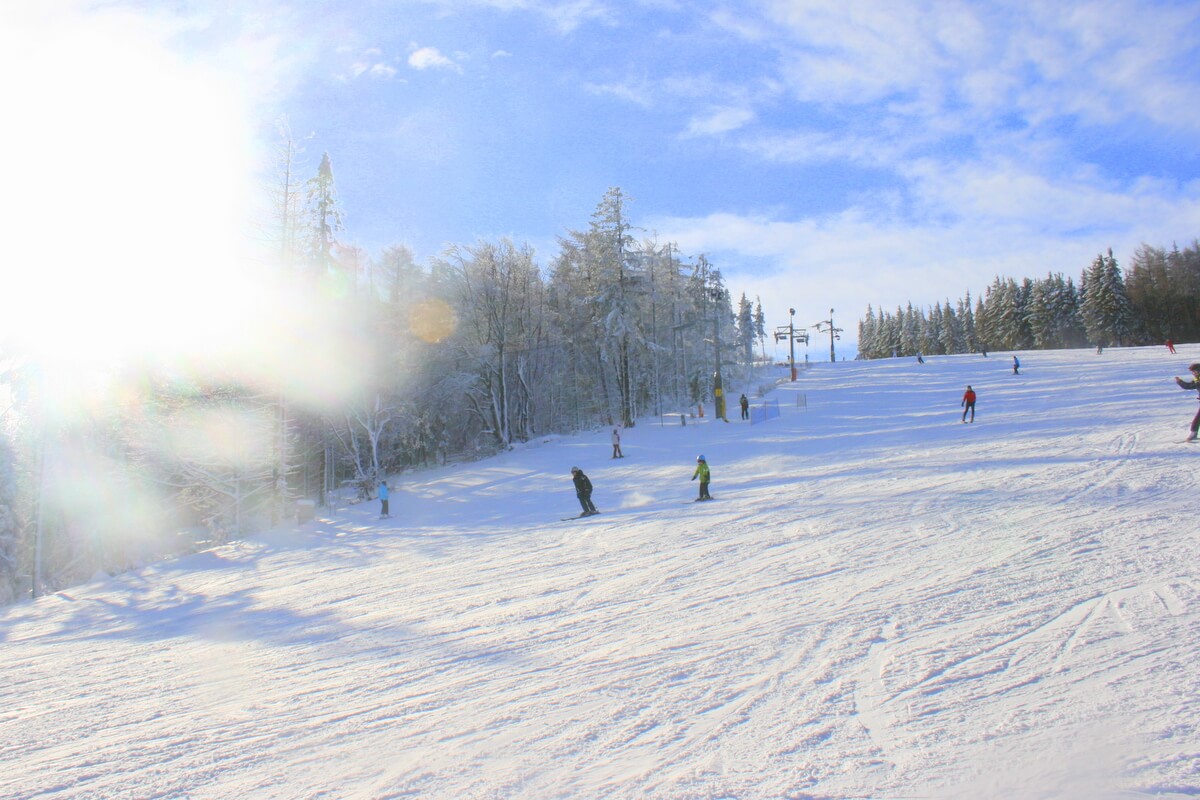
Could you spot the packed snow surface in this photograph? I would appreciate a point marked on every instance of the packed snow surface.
(882, 602)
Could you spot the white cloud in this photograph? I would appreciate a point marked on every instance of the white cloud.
(376, 70)
(431, 58)
(720, 121)
(977, 222)
(569, 16)
(639, 95)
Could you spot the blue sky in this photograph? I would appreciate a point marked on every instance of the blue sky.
(823, 154)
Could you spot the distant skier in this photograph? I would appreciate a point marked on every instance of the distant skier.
(1194, 383)
(920, 358)
(1016, 366)
(1170, 346)
(583, 490)
(383, 500)
(745, 406)
(968, 403)
(616, 443)
(702, 472)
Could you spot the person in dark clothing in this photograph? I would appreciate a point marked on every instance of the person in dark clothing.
(583, 490)
(968, 403)
(1194, 383)
(745, 407)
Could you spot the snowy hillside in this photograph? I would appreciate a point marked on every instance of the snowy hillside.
(882, 602)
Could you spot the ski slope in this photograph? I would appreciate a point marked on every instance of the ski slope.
(882, 602)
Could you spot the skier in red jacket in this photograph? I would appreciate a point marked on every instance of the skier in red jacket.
(968, 403)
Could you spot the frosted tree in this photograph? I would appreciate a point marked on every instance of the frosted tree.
(285, 195)
(324, 220)
(499, 297)
(11, 526)
(214, 448)
(1104, 307)
(608, 248)
(746, 332)
(868, 346)
(950, 336)
(760, 326)
(1039, 315)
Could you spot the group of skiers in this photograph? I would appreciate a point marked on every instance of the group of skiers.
(583, 485)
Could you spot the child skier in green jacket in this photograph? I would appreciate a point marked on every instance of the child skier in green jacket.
(703, 474)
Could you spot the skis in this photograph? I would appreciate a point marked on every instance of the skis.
(580, 516)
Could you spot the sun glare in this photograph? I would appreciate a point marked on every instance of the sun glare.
(132, 206)
(131, 169)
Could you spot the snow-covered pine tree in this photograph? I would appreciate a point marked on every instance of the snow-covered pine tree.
(950, 331)
(745, 334)
(1105, 307)
(760, 326)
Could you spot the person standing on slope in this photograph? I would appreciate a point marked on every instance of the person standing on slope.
(616, 442)
(1194, 383)
(1016, 366)
(968, 403)
(383, 500)
(702, 472)
(745, 406)
(583, 490)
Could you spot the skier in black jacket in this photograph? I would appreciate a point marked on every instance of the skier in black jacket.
(1194, 383)
(583, 490)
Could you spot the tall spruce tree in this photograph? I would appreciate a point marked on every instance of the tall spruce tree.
(1105, 307)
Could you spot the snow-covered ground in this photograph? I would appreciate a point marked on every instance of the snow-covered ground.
(882, 602)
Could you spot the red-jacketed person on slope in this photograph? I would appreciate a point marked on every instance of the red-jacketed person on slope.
(968, 403)
(1194, 383)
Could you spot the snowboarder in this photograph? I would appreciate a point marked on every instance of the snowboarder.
(616, 442)
(383, 500)
(583, 490)
(1194, 383)
(745, 406)
(702, 472)
(1016, 366)
(968, 403)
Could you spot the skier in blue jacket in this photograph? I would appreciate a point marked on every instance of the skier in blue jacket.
(1194, 383)
(383, 500)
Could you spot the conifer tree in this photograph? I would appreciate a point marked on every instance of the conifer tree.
(1105, 307)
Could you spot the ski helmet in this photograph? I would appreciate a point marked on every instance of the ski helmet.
(574, 470)
(699, 458)
(1194, 368)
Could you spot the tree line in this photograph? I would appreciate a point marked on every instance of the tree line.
(474, 352)
(1157, 299)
